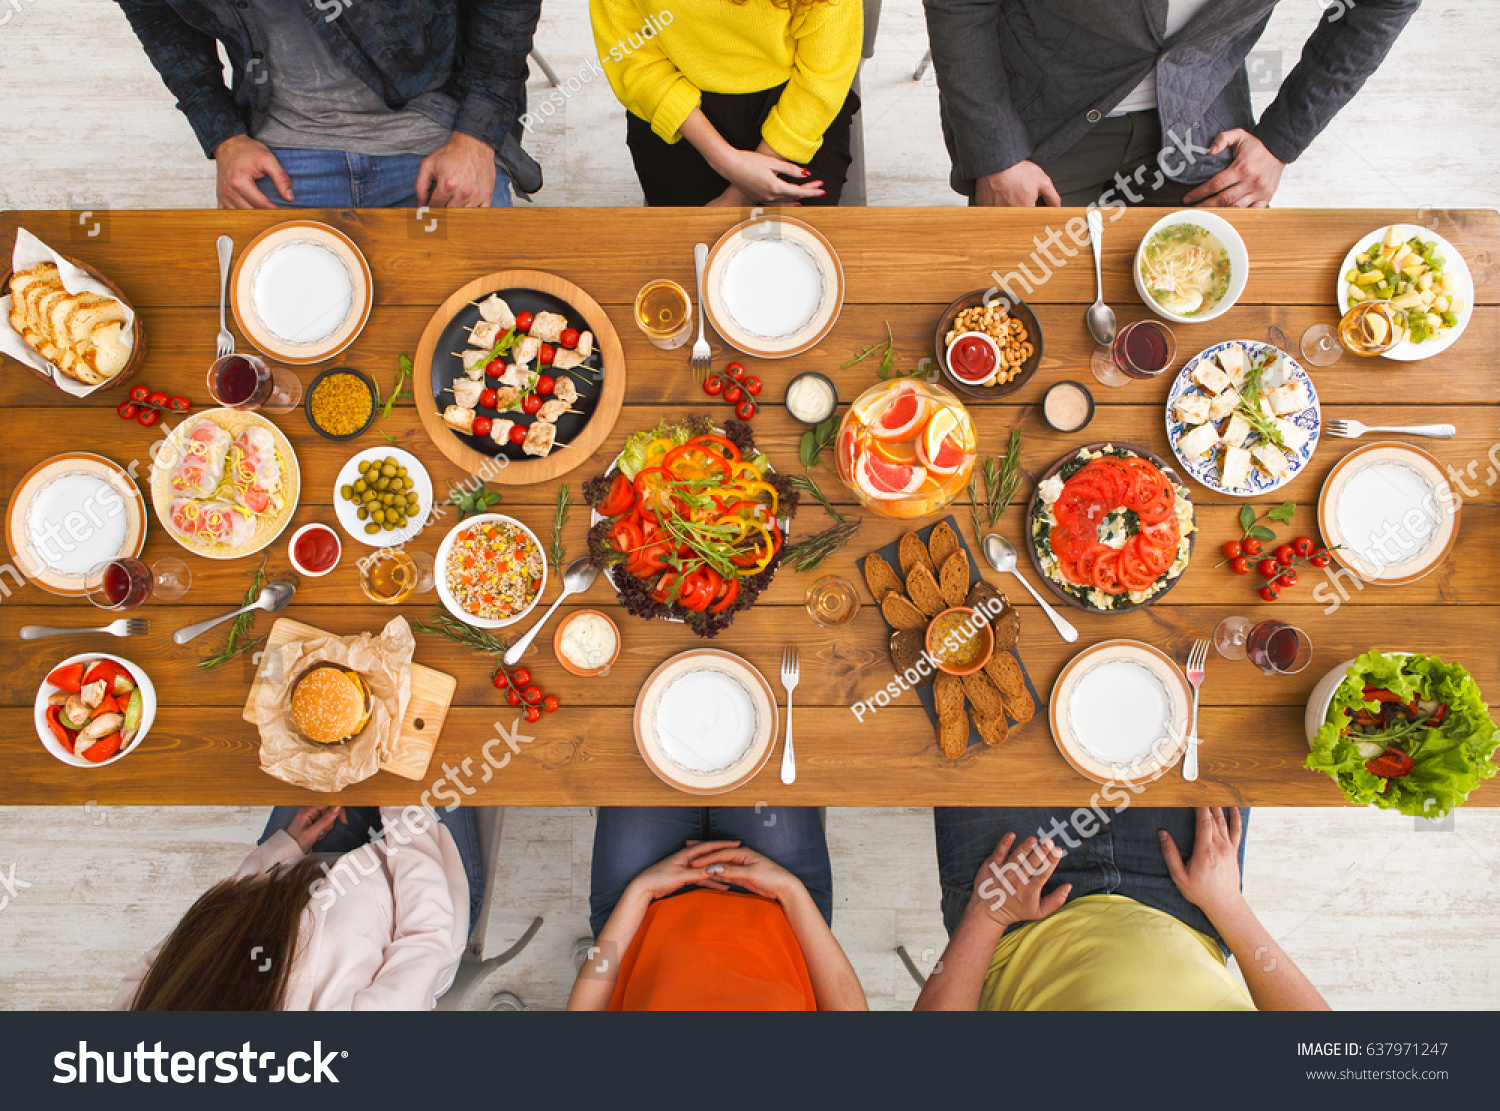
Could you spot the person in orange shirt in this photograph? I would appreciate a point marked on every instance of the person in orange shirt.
(689, 912)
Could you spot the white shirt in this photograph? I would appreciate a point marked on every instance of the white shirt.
(393, 938)
(1143, 96)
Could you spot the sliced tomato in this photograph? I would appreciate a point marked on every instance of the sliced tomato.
(1390, 764)
(626, 536)
(1162, 534)
(1068, 569)
(653, 557)
(663, 588)
(1111, 480)
(1107, 572)
(700, 587)
(1080, 503)
(1072, 538)
(620, 498)
(728, 595)
(1137, 569)
(1155, 498)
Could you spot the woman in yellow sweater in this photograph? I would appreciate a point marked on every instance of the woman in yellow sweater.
(759, 89)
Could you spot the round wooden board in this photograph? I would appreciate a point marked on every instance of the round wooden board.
(562, 460)
(138, 340)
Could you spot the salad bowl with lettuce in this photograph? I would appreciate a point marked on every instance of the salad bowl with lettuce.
(1402, 731)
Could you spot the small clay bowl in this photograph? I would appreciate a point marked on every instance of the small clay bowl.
(986, 643)
(569, 665)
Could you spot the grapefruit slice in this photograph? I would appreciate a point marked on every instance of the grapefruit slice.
(887, 481)
(903, 415)
(847, 453)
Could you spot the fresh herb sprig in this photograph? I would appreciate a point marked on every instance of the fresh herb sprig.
(403, 370)
(816, 441)
(478, 500)
(1249, 404)
(559, 552)
(450, 628)
(1250, 526)
(1001, 479)
(806, 555)
(239, 640)
(887, 368)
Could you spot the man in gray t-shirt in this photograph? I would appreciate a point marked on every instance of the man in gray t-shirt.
(351, 103)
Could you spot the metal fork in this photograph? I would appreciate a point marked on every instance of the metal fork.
(1196, 659)
(1353, 430)
(226, 338)
(789, 673)
(702, 353)
(124, 627)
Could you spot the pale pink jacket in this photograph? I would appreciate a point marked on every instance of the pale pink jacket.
(390, 941)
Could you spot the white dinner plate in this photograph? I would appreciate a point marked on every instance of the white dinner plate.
(705, 721)
(773, 286)
(1119, 712)
(70, 513)
(1388, 513)
(1406, 351)
(347, 512)
(302, 292)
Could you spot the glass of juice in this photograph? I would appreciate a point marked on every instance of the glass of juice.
(906, 448)
(1142, 349)
(664, 312)
(1372, 328)
(390, 576)
(247, 382)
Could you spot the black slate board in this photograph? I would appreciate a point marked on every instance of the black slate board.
(924, 692)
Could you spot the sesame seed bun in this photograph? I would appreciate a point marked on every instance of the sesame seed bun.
(330, 704)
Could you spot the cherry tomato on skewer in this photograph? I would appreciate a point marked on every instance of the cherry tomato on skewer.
(482, 426)
(530, 404)
(569, 337)
(545, 384)
(547, 354)
(524, 321)
(488, 399)
(518, 434)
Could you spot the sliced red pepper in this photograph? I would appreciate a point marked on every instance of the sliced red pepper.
(100, 751)
(663, 588)
(1390, 764)
(1380, 694)
(63, 734)
(727, 596)
(692, 451)
(69, 678)
(730, 451)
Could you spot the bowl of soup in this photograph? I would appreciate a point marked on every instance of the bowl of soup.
(1191, 266)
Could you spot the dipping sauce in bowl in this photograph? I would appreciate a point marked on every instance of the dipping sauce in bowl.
(314, 550)
(811, 397)
(973, 357)
(587, 643)
(960, 641)
(1068, 407)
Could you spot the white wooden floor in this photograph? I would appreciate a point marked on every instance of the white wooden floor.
(1379, 914)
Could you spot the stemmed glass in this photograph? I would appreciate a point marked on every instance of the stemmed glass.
(248, 382)
(1273, 646)
(1321, 346)
(1141, 349)
(123, 584)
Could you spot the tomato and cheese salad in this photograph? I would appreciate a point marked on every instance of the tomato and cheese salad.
(690, 522)
(95, 708)
(1111, 528)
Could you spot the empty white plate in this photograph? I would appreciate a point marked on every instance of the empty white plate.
(301, 292)
(71, 513)
(773, 286)
(1388, 513)
(1119, 712)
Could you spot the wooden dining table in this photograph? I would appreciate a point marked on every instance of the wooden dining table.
(902, 266)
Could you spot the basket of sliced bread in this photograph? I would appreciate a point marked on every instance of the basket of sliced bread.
(66, 322)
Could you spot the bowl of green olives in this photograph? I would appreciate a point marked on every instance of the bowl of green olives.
(383, 497)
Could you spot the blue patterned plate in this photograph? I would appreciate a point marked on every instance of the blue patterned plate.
(1205, 469)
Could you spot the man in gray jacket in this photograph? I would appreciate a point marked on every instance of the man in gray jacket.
(1140, 102)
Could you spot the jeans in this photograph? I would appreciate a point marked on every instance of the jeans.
(338, 179)
(630, 839)
(1121, 858)
(362, 825)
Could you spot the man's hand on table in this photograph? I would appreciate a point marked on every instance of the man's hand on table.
(1249, 181)
(1008, 888)
(1211, 879)
(1020, 186)
(459, 174)
(239, 163)
(311, 822)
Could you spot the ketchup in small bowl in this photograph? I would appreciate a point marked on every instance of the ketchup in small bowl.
(973, 357)
(315, 550)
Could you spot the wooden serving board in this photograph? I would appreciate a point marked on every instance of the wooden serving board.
(431, 694)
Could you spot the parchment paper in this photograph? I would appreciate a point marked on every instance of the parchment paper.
(383, 662)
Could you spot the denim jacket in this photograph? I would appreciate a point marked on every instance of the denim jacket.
(1026, 79)
(400, 48)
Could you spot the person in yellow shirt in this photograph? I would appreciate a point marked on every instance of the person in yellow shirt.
(1118, 921)
(758, 89)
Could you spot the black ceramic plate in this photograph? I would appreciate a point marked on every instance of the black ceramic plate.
(446, 366)
(924, 691)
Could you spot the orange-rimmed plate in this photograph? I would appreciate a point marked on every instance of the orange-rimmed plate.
(70, 513)
(1120, 712)
(706, 721)
(773, 286)
(302, 292)
(1388, 513)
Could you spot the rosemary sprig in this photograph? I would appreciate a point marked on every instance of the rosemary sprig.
(806, 555)
(237, 643)
(559, 553)
(1001, 480)
(446, 626)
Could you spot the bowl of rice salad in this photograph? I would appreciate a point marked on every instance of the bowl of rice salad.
(490, 571)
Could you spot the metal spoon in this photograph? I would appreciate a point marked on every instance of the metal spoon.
(1100, 317)
(1002, 557)
(274, 597)
(579, 576)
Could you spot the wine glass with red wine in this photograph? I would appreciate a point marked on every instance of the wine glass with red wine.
(1273, 646)
(1142, 349)
(123, 584)
(246, 382)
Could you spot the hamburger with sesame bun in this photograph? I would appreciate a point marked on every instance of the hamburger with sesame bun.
(330, 704)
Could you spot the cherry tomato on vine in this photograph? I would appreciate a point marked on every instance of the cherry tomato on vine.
(735, 371)
(752, 385)
(1240, 565)
(1285, 555)
(524, 321)
(550, 703)
(1269, 592)
(1320, 559)
(745, 410)
(713, 386)
(156, 397)
(533, 714)
(530, 404)
(179, 404)
(127, 410)
(1303, 545)
(518, 434)
(569, 337)
(139, 393)
(532, 694)
(1286, 580)
(513, 696)
(520, 676)
(733, 395)
(1232, 549)
(1268, 568)
(545, 384)
(1250, 546)
(148, 417)
(500, 681)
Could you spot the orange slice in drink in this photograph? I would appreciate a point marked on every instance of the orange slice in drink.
(895, 451)
(941, 446)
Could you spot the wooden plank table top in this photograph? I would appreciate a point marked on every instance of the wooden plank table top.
(902, 267)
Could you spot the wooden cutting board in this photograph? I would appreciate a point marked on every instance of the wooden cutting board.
(431, 694)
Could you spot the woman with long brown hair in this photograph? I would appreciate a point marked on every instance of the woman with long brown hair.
(759, 89)
(334, 910)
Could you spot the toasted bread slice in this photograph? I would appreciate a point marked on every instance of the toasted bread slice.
(947, 694)
(900, 612)
(923, 589)
(1020, 706)
(979, 690)
(953, 734)
(907, 646)
(942, 542)
(881, 577)
(993, 729)
(1006, 674)
(911, 551)
(954, 578)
